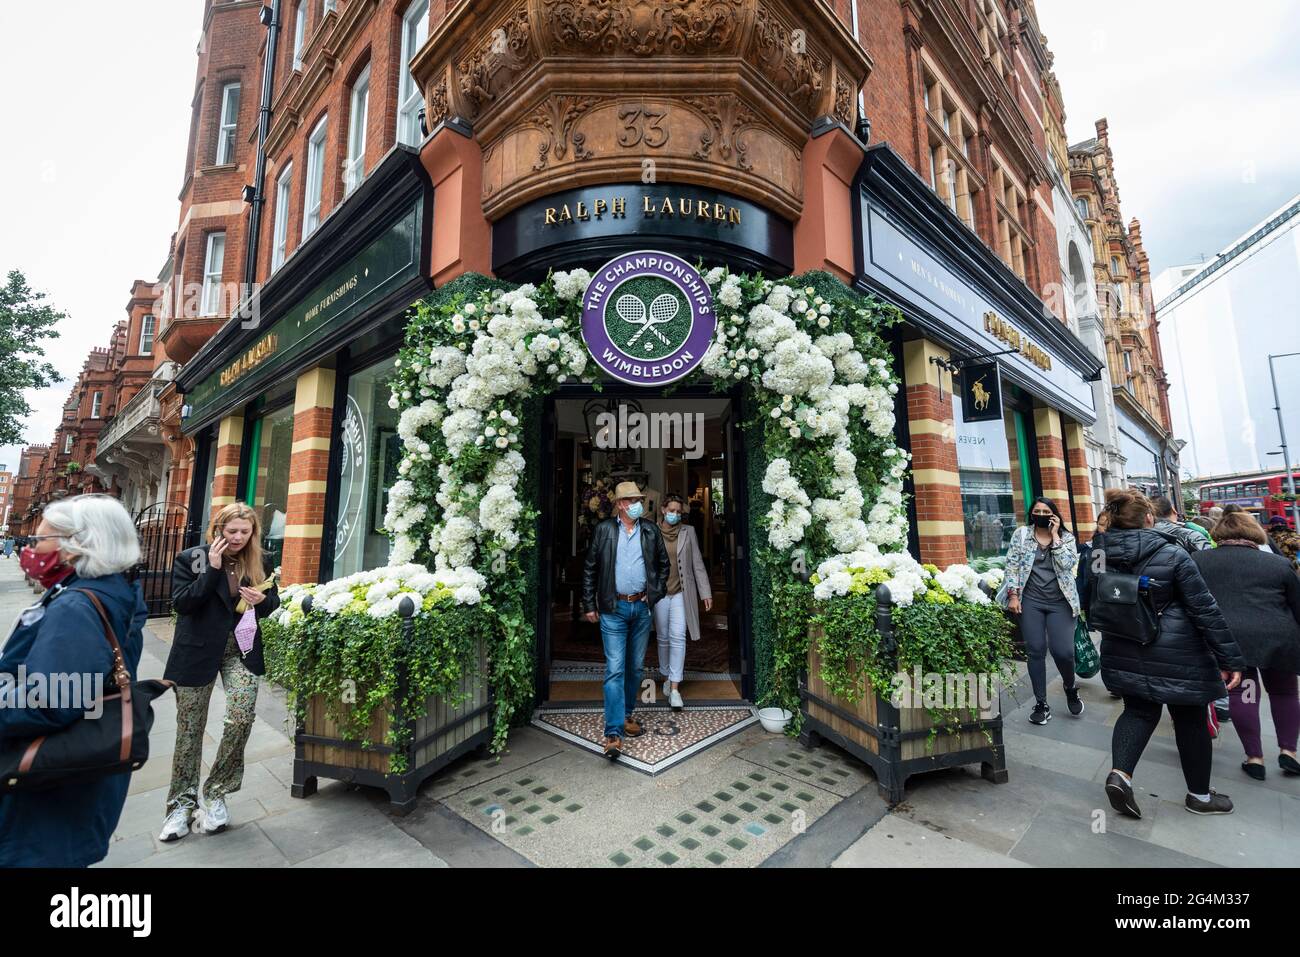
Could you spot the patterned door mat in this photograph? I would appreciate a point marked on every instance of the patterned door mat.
(670, 736)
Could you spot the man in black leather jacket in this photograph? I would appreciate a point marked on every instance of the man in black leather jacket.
(625, 573)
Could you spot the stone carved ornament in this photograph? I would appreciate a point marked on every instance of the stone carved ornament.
(727, 116)
(492, 67)
(557, 116)
(644, 27)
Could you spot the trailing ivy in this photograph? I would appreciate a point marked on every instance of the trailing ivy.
(353, 663)
(937, 635)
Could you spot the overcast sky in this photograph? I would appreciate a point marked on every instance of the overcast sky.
(1202, 101)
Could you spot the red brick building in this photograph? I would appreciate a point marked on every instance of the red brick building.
(1122, 273)
(6, 494)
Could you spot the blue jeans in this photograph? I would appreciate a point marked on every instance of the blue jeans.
(625, 634)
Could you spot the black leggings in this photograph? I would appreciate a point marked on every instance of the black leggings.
(1135, 725)
(1044, 628)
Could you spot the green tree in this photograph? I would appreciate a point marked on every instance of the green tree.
(25, 320)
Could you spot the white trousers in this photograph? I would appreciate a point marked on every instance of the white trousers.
(670, 630)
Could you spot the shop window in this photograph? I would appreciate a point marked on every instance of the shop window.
(415, 30)
(204, 514)
(987, 497)
(367, 469)
(270, 447)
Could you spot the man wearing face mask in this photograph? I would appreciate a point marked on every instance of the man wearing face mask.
(625, 574)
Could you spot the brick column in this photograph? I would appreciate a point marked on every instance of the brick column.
(939, 523)
(1085, 513)
(1051, 457)
(313, 422)
(462, 238)
(823, 237)
(225, 476)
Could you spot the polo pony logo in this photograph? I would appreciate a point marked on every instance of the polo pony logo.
(1116, 595)
(982, 395)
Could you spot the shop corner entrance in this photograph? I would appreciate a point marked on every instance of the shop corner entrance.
(687, 444)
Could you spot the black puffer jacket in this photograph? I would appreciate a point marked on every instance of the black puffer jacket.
(1182, 665)
(1260, 598)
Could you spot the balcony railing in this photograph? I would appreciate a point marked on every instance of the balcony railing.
(143, 411)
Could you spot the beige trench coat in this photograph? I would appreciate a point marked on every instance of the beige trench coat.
(694, 576)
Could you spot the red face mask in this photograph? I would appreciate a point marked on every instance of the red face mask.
(45, 567)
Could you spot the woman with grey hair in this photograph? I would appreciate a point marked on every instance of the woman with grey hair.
(59, 648)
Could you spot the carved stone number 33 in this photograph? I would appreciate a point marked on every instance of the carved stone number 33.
(642, 126)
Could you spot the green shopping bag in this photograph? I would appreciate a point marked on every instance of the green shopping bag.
(1086, 660)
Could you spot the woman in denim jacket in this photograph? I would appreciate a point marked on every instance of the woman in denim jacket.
(1040, 588)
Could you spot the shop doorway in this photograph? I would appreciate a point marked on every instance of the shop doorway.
(696, 453)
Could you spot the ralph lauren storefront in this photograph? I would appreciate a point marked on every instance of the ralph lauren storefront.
(266, 395)
(998, 390)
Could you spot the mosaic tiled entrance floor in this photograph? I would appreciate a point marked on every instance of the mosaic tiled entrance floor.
(670, 736)
(733, 805)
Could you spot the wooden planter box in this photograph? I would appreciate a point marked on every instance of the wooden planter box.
(894, 741)
(437, 736)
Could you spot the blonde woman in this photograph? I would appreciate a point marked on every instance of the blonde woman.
(679, 611)
(213, 588)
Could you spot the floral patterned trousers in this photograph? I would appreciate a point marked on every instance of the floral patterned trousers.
(227, 771)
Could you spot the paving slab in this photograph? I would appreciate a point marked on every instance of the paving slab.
(899, 842)
(390, 847)
(1057, 840)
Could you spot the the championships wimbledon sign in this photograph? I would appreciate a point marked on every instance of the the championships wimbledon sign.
(648, 318)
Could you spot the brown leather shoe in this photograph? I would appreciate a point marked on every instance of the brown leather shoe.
(613, 747)
(633, 727)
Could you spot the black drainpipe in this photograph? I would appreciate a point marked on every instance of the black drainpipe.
(255, 195)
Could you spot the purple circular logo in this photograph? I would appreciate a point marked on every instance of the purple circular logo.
(647, 318)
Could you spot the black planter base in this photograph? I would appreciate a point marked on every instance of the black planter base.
(402, 788)
(892, 773)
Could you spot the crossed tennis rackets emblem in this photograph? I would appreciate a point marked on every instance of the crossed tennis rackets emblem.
(663, 309)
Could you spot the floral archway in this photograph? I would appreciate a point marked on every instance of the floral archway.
(480, 355)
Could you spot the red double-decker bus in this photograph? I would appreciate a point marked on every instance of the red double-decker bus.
(1266, 494)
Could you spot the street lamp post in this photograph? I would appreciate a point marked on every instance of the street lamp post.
(1281, 428)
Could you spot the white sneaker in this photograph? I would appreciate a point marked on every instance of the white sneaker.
(177, 824)
(675, 700)
(667, 685)
(212, 818)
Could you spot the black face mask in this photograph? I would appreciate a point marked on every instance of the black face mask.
(1042, 521)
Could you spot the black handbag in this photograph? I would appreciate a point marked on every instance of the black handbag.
(1121, 607)
(117, 742)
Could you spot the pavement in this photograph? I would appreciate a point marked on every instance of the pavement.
(754, 799)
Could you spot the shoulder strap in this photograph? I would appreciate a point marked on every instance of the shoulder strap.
(120, 675)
